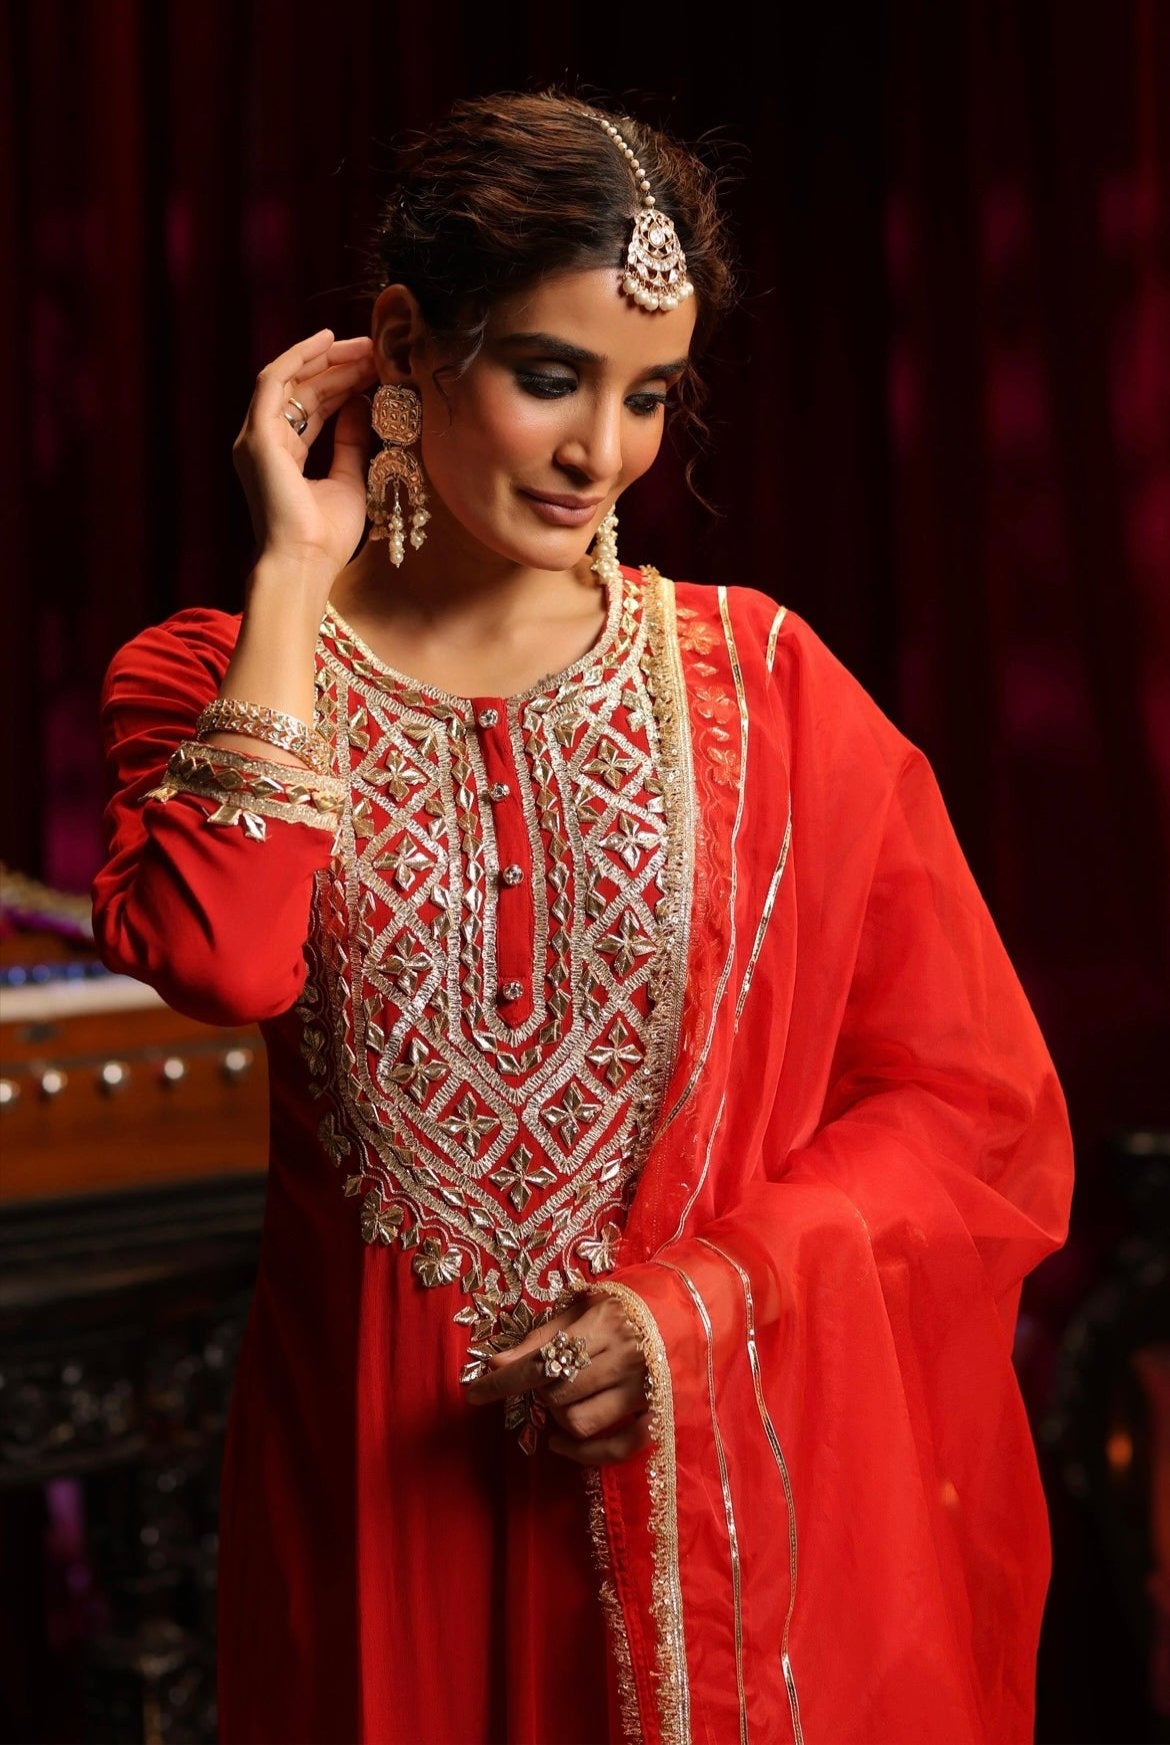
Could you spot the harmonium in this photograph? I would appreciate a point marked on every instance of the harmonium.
(132, 1177)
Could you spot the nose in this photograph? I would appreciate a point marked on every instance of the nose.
(592, 445)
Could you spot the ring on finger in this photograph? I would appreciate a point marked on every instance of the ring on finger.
(301, 424)
(564, 1356)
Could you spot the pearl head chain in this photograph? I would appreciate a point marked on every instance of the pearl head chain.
(655, 273)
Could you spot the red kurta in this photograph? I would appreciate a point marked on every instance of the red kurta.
(673, 961)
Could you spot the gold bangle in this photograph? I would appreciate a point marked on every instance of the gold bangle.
(273, 726)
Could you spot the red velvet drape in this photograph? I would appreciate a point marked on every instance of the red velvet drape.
(941, 427)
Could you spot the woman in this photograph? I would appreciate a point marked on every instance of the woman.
(626, 990)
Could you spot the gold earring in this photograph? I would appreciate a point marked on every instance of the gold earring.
(605, 564)
(396, 414)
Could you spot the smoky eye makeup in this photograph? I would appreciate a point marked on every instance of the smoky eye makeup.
(546, 384)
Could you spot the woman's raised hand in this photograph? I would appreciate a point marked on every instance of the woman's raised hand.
(294, 517)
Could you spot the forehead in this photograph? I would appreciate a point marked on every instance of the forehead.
(587, 308)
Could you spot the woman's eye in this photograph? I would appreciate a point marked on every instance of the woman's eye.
(544, 385)
(645, 405)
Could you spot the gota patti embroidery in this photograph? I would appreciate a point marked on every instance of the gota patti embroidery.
(502, 1156)
(247, 790)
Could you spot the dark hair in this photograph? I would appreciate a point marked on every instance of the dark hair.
(510, 188)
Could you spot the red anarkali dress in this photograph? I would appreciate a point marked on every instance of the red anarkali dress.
(665, 977)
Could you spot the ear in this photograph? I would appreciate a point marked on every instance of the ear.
(398, 331)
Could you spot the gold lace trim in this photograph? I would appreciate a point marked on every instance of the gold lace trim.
(619, 1642)
(250, 789)
(666, 1604)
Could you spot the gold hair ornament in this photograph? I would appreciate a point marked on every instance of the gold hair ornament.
(655, 273)
(396, 413)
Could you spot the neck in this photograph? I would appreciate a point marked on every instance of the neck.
(448, 581)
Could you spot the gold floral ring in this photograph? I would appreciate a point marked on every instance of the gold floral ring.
(564, 1357)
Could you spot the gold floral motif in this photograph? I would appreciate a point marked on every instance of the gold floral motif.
(379, 1223)
(617, 1052)
(568, 1117)
(626, 946)
(417, 1071)
(520, 1179)
(436, 1265)
(601, 1250)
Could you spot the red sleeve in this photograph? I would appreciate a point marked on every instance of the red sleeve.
(212, 918)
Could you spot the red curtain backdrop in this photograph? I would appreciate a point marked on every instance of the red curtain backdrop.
(941, 416)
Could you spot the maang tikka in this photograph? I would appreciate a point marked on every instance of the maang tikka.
(396, 414)
(655, 273)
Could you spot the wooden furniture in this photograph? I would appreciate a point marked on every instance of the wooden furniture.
(132, 1148)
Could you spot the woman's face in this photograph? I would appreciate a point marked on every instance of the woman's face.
(560, 411)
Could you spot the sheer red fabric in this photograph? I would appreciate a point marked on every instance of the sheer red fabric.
(840, 1533)
(858, 1152)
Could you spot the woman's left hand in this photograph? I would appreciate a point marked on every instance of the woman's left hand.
(601, 1412)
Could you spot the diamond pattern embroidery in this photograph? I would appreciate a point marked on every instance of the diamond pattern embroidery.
(502, 1157)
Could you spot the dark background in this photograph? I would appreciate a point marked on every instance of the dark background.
(941, 433)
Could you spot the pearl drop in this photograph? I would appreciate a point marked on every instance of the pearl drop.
(649, 200)
(668, 302)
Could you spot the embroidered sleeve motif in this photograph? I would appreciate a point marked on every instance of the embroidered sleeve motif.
(250, 789)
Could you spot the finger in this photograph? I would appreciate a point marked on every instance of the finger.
(343, 355)
(300, 360)
(512, 1372)
(600, 1413)
(351, 441)
(321, 396)
(614, 1349)
(518, 1369)
(603, 1450)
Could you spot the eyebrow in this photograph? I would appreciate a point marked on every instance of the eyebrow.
(551, 346)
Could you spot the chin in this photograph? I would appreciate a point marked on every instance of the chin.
(558, 549)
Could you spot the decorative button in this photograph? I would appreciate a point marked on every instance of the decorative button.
(511, 990)
(499, 791)
(488, 717)
(513, 874)
(53, 1081)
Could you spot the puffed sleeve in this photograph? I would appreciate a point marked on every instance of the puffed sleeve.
(210, 855)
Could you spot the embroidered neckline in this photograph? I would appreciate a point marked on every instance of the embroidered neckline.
(597, 658)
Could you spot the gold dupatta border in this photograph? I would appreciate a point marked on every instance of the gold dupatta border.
(662, 665)
(666, 683)
(666, 1606)
(725, 1486)
(611, 1610)
(785, 1480)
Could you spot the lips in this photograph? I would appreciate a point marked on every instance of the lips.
(561, 510)
(561, 502)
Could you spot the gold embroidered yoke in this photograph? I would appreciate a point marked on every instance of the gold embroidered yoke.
(496, 959)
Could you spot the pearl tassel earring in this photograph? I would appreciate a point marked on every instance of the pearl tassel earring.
(605, 564)
(396, 414)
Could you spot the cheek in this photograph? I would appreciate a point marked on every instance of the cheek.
(640, 446)
(491, 431)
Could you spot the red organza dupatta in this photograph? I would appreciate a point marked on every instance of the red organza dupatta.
(839, 1532)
